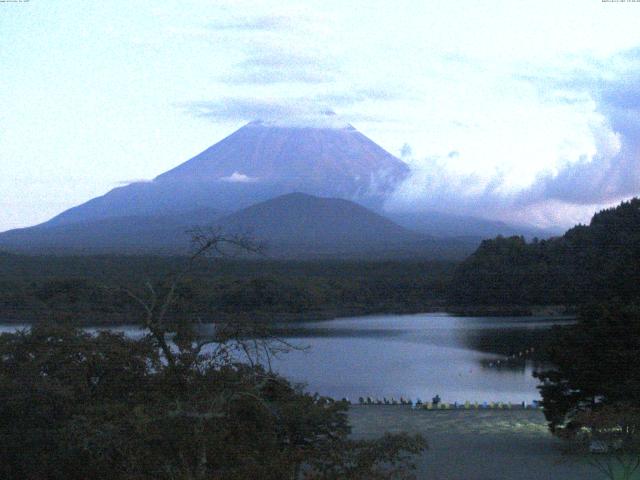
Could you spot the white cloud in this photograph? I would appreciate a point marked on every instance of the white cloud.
(539, 99)
(237, 177)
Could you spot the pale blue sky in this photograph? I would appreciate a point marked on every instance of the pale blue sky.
(521, 110)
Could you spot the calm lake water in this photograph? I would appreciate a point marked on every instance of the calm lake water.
(417, 356)
(412, 356)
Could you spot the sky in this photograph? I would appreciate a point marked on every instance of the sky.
(525, 111)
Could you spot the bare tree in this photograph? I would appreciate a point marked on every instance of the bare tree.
(211, 377)
(178, 341)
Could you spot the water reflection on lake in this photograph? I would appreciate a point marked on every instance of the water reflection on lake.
(410, 355)
(416, 356)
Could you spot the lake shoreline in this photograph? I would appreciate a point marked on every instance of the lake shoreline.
(483, 359)
(118, 318)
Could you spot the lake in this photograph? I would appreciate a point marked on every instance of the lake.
(415, 356)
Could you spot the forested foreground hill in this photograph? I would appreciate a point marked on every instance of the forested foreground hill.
(597, 262)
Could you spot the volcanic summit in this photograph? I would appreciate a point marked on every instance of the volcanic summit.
(258, 162)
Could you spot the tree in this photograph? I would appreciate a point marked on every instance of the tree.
(595, 262)
(595, 364)
(55, 381)
(173, 405)
(592, 395)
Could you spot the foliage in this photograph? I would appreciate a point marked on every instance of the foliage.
(55, 381)
(172, 405)
(76, 406)
(595, 365)
(599, 262)
(591, 396)
(84, 288)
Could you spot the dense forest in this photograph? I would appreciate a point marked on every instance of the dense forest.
(96, 289)
(595, 262)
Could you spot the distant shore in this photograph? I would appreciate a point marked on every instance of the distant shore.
(87, 318)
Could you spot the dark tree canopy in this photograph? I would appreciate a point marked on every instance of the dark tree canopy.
(598, 262)
(76, 287)
(595, 365)
(77, 406)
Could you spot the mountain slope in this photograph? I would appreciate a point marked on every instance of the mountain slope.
(440, 224)
(163, 234)
(301, 219)
(257, 162)
(339, 162)
(292, 226)
(303, 226)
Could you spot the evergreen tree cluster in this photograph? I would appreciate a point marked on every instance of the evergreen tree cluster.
(595, 262)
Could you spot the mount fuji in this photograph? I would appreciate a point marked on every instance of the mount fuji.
(333, 169)
(257, 162)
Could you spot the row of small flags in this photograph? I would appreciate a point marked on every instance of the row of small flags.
(447, 406)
